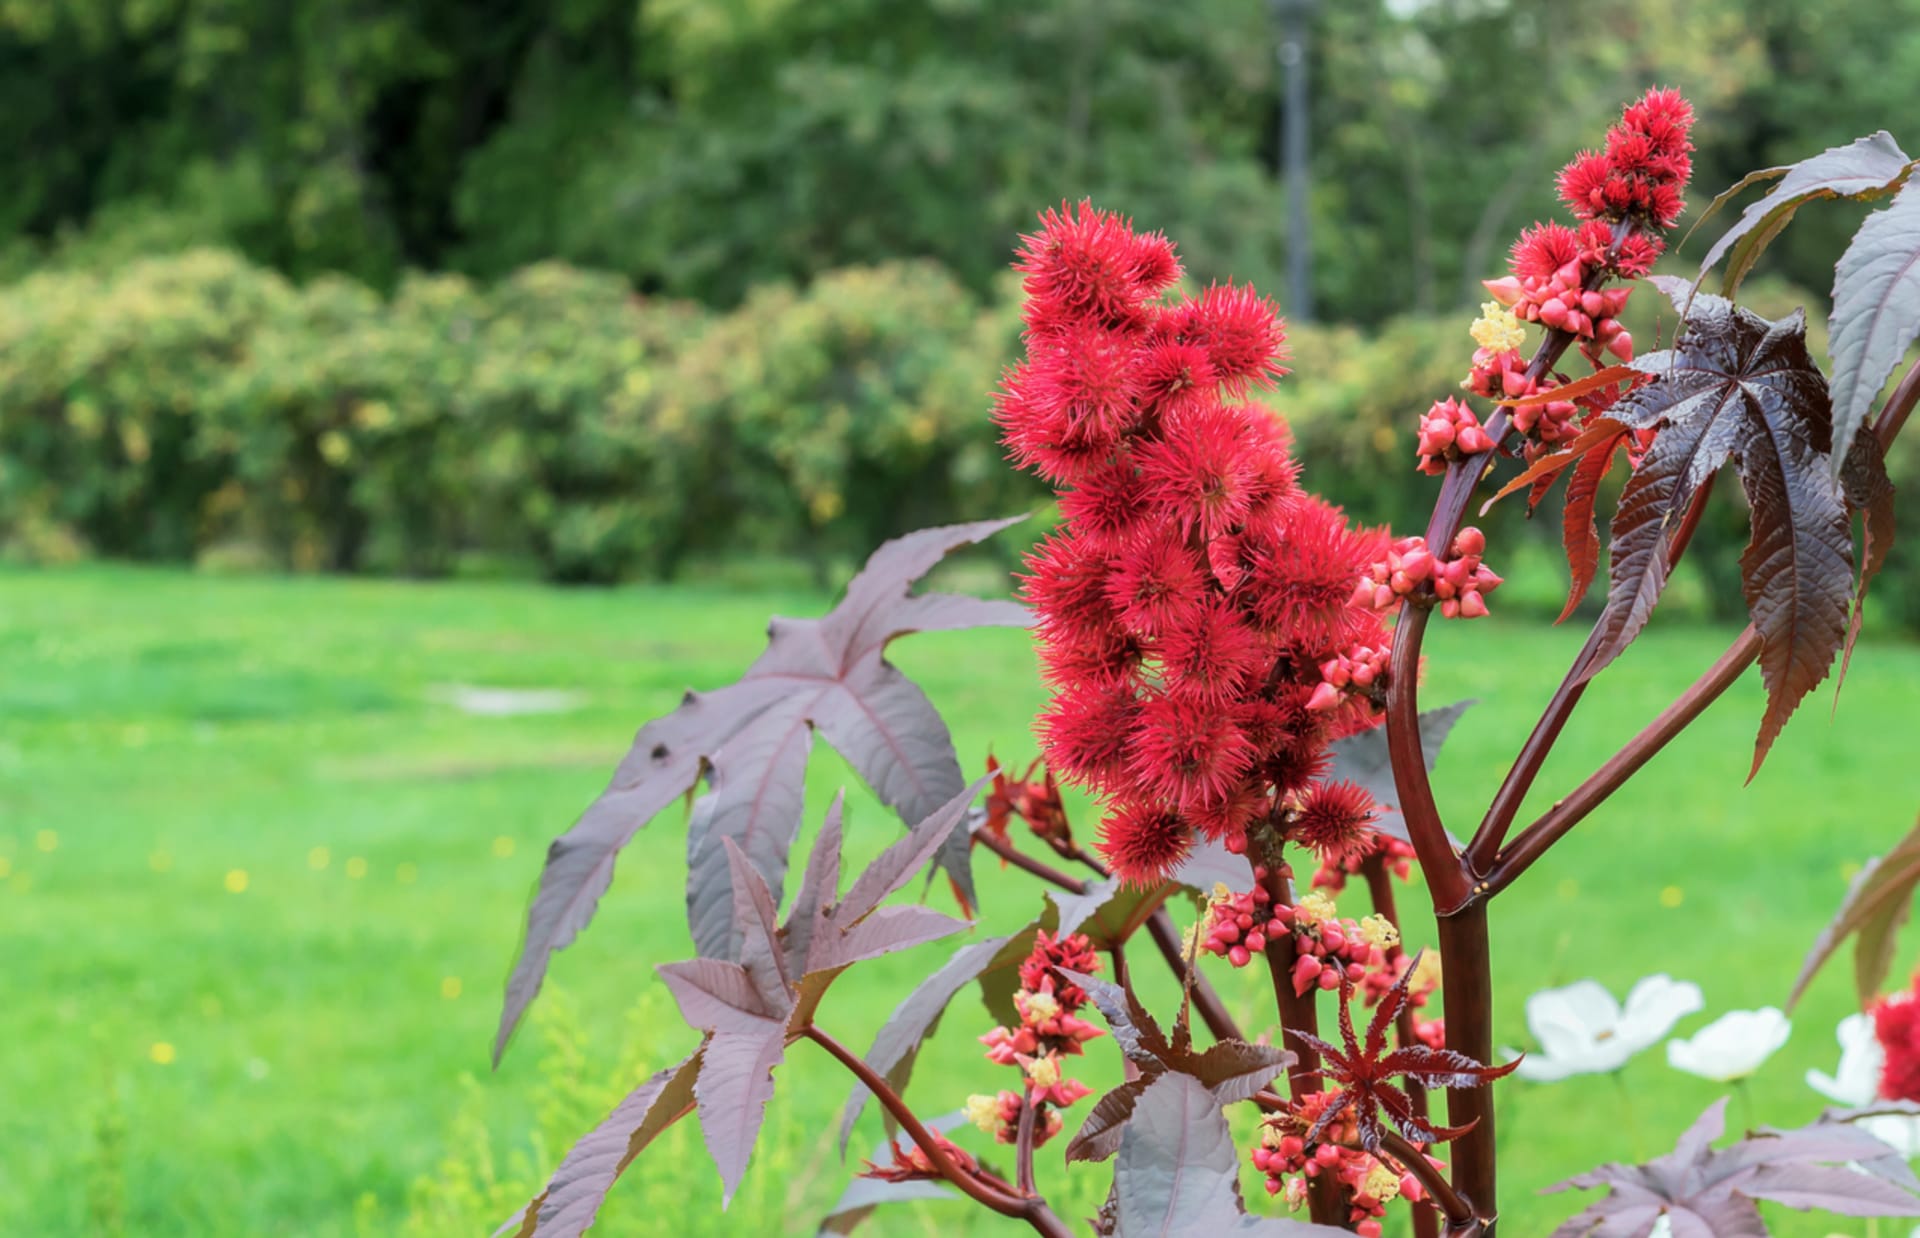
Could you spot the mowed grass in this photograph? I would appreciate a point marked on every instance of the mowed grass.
(262, 885)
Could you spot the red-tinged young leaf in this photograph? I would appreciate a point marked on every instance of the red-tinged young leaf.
(1868, 167)
(1876, 312)
(1364, 1072)
(913, 1020)
(865, 1194)
(718, 996)
(1177, 1174)
(579, 1186)
(828, 674)
(1706, 1192)
(1737, 387)
(1876, 906)
(1362, 758)
(1602, 430)
(1869, 491)
(818, 889)
(1611, 376)
(757, 929)
(1578, 533)
(883, 932)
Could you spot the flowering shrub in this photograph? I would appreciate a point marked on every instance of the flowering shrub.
(1234, 672)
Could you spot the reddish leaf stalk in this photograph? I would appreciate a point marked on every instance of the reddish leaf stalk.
(1461, 1220)
(1023, 1148)
(1031, 1209)
(1603, 782)
(1213, 1012)
(1492, 834)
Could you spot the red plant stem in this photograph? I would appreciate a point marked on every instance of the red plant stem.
(1298, 1013)
(1492, 834)
(1563, 816)
(1023, 1147)
(1031, 1209)
(1458, 1211)
(1213, 1012)
(1026, 863)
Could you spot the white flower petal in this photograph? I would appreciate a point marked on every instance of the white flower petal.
(1655, 1005)
(1575, 1014)
(1732, 1046)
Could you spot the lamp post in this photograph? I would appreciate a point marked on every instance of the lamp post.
(1294, 18)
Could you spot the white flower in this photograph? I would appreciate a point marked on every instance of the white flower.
(1731, 1047)
(1856, 1082)
(1582, 1030)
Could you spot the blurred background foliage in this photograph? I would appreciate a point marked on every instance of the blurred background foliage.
(596, 287)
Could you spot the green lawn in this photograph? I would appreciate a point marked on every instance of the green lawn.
(262, 885)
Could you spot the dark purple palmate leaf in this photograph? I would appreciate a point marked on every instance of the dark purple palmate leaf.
(1739, 388)
(1876, 311)
(1230, 1070)
(1362, 758)
(1868, 167)
(1177, 1173)
(753, 1006)
(1877, 904)
(1711, 1194)
(751, 739)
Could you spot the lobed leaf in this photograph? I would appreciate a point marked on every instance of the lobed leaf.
(1578, 533)
(1876, 906)
(579, 1186)
(1876, 312)
(1868, 167)
(827, 674)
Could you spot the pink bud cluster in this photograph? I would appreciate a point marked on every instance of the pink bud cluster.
(1238, 925)
(1361, 669)
(1369, 1183)
(1049, 1029)
(1327, 949)
(1503, 376)
(1458, 583)
(1450, 431)
(1335, 870)
(1551, 286)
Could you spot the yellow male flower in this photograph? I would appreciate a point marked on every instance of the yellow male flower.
(1498, 329)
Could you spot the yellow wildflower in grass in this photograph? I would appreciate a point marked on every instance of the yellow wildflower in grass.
(502, 847)
(161, 1054)
(450, 987)
(1497, 329)
(319, 858)
(236, 881)
(1672, 897)
(356, 868)
(47, 840)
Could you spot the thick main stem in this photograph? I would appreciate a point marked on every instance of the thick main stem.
(1031, 1209)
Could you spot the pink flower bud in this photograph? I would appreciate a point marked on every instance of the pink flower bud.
(1621, 346)
(1324, 697)
(1473, 440)
(1470, 541)
(1306, 972)
(1515, 384)
(1594, 304)
(1256, 940)
(1472, 605)
(1553, 313)
(1505, 290)
(1418, 565)
(1238, 956)
(1329, 980)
